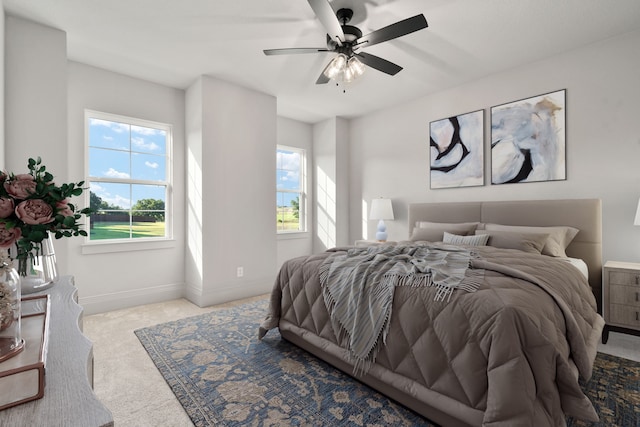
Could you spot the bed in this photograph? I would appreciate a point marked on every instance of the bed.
(508, 349)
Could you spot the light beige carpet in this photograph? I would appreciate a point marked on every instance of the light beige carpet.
(125, 378)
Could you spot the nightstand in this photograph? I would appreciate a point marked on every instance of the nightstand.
(621, 298)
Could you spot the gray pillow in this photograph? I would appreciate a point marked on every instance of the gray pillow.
(434, 231)
(526, 242)
(558, 237)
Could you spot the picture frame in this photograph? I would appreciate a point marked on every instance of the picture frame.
(528, 139)
(456, 147)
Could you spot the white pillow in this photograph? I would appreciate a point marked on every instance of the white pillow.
(454, 239)
(557, 241)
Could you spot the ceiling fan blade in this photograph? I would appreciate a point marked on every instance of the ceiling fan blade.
(323, 79)
(390, 32)
(379, 63)
(295, 50)
(328, 18)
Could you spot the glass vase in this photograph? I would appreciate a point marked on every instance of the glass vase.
(11, 342)
(38, 271)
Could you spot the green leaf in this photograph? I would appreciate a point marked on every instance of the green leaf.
(69, 221)
(37, 236)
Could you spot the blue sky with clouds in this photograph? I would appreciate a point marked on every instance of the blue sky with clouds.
(288, 175)
(121, 151)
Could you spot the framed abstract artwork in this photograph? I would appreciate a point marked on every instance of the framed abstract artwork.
(456, 151)
(528, 140)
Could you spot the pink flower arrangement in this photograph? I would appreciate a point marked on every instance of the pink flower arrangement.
(32, 206)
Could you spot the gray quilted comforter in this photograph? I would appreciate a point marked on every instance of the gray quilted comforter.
(509, 354)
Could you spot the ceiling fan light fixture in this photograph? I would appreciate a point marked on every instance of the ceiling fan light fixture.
(356, 66)
(336, 67)
(348, 76)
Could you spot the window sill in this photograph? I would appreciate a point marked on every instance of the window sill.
(145, 245)
(293, 235)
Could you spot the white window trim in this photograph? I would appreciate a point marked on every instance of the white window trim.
(291, 235)
(303, 193)
(141, 243)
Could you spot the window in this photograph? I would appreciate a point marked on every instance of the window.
(290, 185)
(129, 178)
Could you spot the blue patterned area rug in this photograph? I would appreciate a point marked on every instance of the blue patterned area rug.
(223, 376)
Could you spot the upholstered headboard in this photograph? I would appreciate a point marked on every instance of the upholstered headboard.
(583, 214)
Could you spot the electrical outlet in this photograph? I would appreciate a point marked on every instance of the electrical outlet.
(240, 271)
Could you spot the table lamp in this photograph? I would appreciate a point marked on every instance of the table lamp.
(381, 209)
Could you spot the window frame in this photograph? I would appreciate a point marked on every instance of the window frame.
(302, 209)
(131, 243)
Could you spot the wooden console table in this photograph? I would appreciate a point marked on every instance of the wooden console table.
(68, 399)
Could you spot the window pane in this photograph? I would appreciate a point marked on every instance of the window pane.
(289, 160)
(281, 179)
(106, 134)
(148, 140)
(109, 163)
(112, 219)
(288, 180)
(148, 167)
(148, 211)
(288, 170)
(111, 196)
(288, 213)
(145, 227)
(148, 197)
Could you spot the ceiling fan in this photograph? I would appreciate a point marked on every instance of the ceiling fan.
(347, 40)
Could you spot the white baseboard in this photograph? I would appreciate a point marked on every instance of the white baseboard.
(223, 292)
(231, 291)
(118, 300)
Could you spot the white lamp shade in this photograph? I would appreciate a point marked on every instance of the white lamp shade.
(381, 209)
(636, 221)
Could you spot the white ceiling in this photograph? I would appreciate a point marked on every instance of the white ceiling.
(172, 42)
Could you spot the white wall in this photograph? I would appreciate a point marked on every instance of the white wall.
(194, 220)
(237, 190)
(293, 133)
(35, 103)
(2, 109)
(36, 95)
(151, 272)
(390, 157)
(331, 184)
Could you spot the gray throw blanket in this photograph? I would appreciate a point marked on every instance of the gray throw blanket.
(358, 288)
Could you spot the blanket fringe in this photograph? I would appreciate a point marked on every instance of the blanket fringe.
(472, 281)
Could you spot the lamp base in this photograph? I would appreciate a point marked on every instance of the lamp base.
(381, 235)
